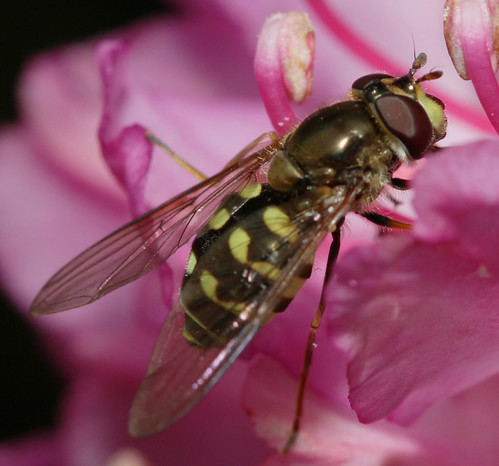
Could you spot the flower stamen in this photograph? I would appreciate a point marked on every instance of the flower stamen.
(283, 66)
(471, 29)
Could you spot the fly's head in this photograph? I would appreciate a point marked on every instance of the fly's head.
(412, 119)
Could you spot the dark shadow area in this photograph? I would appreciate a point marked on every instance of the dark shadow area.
(30, 27)
(31, 386)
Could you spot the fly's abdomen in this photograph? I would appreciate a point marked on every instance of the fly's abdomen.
(235, 259)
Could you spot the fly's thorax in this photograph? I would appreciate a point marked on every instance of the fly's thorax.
(336, 145)
(284, 174)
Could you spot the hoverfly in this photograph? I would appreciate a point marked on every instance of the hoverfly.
(257, 225)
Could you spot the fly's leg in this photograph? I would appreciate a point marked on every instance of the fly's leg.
(309, 351)
(193, 170)
(183, 163)
(400, 184)
(386, 222)
(376, 218)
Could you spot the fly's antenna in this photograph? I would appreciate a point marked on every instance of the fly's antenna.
(418, 63)
(413, 47)
(430, 76)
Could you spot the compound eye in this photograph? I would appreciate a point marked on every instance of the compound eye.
(364, 81)
(408, 121)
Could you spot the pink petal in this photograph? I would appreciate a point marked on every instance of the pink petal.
(40, 207)
(95, 422)
(129, 157)
(460, 431)
(60, 104)
(455, 197)
(126, 149)
(465, 426)
(328, 436)
(416, 315)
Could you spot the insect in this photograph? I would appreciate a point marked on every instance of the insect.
(257, 225)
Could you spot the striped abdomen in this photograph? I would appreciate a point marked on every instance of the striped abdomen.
(236, 257)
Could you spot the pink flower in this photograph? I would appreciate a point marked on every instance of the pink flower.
(195, 91)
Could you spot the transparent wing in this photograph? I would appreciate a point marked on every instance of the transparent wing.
(145, 243)
(180, 374)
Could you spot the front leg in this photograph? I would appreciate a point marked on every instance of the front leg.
(400, 184)
(386, 222)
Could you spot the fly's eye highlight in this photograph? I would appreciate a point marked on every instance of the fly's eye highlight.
(408, 121)
(365, 81)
